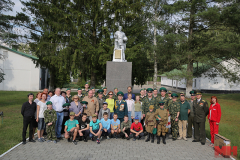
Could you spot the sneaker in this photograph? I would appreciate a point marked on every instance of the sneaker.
(60, 138)
(43, 139)
(134, 139)
(55, 142)
(69, 140)
(92, 139)
(85, 140)
(128, 138)
(49, 141)
(40, 140)
(108, 137)
(185, 138)
(74, 142)
(179, 138)
(98, 141)
(24, 142)
(101, 138)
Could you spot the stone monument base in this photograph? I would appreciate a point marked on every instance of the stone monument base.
(118, 75)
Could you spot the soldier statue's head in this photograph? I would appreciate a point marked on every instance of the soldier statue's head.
(120, 28)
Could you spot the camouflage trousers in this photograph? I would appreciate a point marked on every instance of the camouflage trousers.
(174, 126)
(51, 134)
(161, 129)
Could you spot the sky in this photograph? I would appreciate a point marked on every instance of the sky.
(17, 8)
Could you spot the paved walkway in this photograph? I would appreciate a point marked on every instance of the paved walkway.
(113, 149)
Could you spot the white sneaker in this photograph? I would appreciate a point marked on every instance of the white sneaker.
(108, 137)
(101, 138)
(179, 138)
(185, 138)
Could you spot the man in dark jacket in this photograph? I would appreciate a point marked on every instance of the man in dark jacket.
(28, 111)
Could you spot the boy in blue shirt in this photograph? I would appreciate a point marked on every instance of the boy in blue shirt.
(115, 126)
(71, 128)
(95, 128)
(106, 125)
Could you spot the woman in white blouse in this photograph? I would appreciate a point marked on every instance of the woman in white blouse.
(130, 105)
(41, 107)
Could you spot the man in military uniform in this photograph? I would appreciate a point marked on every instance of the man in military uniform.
(149, 100)
(100, 98)
(155, 92)
(174, 110)
(142, 95)
(105, 94)
(150, 123)
(115, 94)
(161, 116)
(163, 97)
(80, 95)
(169, 94)
(120, 106)
(85, 91)
(68, 95)
(200, 110)
(94, 92)
(191, 115)
(50, 117)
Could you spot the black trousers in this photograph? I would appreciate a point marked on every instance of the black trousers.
(27, 121)
(65, 118)
(127, 131)
(199, 131)
(85, 133)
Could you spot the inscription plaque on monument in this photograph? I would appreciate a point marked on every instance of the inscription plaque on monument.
(118, 54)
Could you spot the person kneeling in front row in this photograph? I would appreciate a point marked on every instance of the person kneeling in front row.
(95, 128)
(71, 128)
(84, 127)
(136, 129)
(125, 128)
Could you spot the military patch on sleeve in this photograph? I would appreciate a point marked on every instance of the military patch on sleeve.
(203, 100)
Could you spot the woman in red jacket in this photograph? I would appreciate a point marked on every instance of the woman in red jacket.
(214, 117)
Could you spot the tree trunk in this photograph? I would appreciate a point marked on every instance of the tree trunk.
(154, 53)
(93, 77)
(190, 57)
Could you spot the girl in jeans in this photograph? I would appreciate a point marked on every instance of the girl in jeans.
(41, 107)
(137, 108)
(130, 105)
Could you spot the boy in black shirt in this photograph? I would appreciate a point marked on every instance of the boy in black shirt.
(84, 127)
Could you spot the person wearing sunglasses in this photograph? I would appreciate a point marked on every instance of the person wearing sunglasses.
(110, 101)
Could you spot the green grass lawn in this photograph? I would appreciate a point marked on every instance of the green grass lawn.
(11, 129)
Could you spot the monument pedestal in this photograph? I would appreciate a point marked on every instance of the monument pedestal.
(118, 75)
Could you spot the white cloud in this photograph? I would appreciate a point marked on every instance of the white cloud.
(16, 8)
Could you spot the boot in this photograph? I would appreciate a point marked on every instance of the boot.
(152, 141)
(163, 139)
(148, 138)
(158, 139)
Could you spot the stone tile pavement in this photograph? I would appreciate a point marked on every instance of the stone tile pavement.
(113, 149)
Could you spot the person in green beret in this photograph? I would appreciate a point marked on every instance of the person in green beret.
(68, 95)
(80, 94)
(85, 91)
(191, 115)
(50, 116)
(163, 97)
(65, 114)
(120, 107)
(94, 91)
(174, 111)
(100, 98)
(161, 116)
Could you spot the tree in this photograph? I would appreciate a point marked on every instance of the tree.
(75, 36)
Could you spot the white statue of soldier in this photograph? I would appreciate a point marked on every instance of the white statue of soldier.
(120, 41)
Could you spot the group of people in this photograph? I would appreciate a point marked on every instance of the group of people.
(115, 114)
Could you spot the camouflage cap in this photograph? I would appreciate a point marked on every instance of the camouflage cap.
(155, 89)
(49, 103)
(169, 92)
(182, 93)
(72, 114)
(151, 107)
(162, 89)
(94, 115)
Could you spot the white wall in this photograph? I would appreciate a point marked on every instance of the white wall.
(166, 81)
(20, 73)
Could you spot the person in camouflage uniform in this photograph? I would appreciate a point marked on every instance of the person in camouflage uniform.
(115, 97)
(150, 123)
(161, 116)
(68, 95)
(80, 95)
(94, 92)
(105, 94)
(163, 97)
(174, 110)
(85, 91)
(150, 100)
(50, 117)
(142, 95)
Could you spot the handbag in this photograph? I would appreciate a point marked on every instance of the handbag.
(154, 131)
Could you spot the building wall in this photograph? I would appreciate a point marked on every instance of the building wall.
(20, 73)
